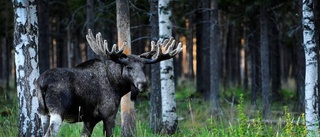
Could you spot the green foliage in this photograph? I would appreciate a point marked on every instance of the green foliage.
(289, 126)
(242, 117)
(303, 129)
(257, 126)
(186, 91)
(294, 127)
(8, 121)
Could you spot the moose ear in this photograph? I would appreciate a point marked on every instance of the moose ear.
(122, 56)
(134, 93)
(122, 59)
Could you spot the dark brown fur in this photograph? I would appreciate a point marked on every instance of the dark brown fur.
(90, 92)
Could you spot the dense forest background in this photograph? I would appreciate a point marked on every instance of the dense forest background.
(63, 26)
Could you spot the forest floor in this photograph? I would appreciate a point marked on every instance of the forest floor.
(239, 118)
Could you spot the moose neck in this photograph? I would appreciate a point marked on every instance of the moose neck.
(114, 73)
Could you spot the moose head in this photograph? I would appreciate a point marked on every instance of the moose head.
(132, 69)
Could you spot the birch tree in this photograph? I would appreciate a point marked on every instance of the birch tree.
(169, 116)
(27, 68)
(311, 58)
(128, 125)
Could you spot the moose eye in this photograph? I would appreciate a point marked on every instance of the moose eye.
(129, 68)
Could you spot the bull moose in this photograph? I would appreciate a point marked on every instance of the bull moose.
(91, 91)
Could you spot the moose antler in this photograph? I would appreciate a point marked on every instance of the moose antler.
(161, 51)
(100, 46)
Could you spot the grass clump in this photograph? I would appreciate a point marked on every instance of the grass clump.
(294, 126)
(257, 126)
(9, 121)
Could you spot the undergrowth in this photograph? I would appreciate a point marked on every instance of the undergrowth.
(239, 119)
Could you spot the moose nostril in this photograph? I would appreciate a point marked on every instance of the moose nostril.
(142, 86)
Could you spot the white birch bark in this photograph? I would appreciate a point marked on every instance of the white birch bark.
(27, 69)
(169, 116)
(311, 79)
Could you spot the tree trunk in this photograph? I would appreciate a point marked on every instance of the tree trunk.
(155, 94)
(2, 60)
(44, 62)
(61, 60)
(275, 70)
(199, 37)
(311, 78)
(264, 55)
(90, 25)
(232, 57)
(177, 64)
(214, 60)
(70, 46)
(300, 75)
(190, 71)
(27, 68)
(8, 47)
(245, 59)
(316, 36)
(169, 116)
(128, 122)
(203, 68)
(3, 70)
(254, 58)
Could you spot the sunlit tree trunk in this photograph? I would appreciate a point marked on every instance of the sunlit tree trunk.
(311, 78)
(169, 116)
(27, 68)
(190, 72)
(246, 71)
(128, 122)
(155, 94)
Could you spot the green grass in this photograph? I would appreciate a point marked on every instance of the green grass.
(238, 119)
(8, 118)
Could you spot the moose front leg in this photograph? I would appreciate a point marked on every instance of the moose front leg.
(88, 128)
(55, 123)
(45, 121)
(108, 125)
